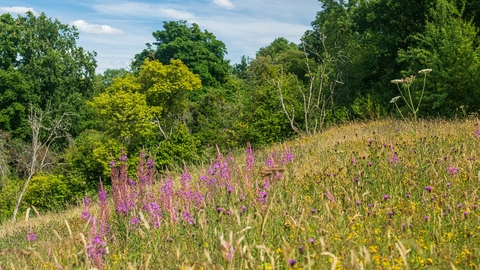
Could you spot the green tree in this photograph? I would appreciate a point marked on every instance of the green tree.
(124, 111)
(450, 47)
(41, 64)
(200, 51)
(135, 108)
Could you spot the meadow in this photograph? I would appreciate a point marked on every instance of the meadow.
(385, 194)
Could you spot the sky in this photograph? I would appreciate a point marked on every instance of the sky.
(117, 30)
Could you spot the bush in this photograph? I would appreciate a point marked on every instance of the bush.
(47, 192)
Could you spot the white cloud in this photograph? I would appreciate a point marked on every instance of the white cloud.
(224, 3)
(16, 10)
(86, 27)
(144, 10)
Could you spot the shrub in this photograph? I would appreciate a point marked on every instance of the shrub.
(47, 192)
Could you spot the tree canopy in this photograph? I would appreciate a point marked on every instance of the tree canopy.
(200, 51)
(40, 63)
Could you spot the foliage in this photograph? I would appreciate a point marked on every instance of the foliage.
(41, 64)
(450, 47)
(167, 87)
(47, 192)
(216, 114)
(200, 51)
(180, 147)
(88, 158)
(124, 111)
(136, 108)
(367, 107)
(8, 195)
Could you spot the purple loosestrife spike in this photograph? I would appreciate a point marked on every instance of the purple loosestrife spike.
(113, 163)
(269, 163)
(142, 153)
(85, 215)
(150, 162)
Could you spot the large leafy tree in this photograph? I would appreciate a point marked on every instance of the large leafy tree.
(135, 108)
(450, 47)
(199, 50)
(41, 64)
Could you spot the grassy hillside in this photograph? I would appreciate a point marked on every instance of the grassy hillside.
(360, 196)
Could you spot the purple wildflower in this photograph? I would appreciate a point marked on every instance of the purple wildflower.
(269, 163)
(123, 158)
(150, 163)
(95, 250)
(311, 240)
(135, 221)
(385, 197)
(85, 215)
(292, 262)
(31, 236)
(452, 170)
(102, 195)
(113, 163)
(428, 188)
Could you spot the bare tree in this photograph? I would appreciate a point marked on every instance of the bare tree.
(317, 95)
(4, 170)
(45, 130)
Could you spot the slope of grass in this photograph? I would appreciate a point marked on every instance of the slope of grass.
(360, 196)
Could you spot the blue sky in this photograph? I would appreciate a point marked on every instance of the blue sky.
(117, 30)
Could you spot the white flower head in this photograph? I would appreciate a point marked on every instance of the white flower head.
(394, 100)
(426, 70)
(397, 81)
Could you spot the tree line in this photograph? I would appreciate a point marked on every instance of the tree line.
(60, 123)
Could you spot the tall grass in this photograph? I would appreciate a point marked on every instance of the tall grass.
(360, 196)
